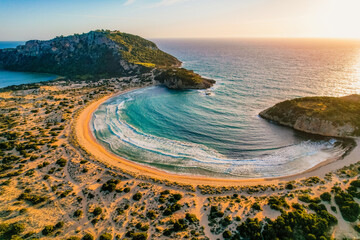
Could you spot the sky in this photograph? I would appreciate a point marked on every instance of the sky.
(22, 20)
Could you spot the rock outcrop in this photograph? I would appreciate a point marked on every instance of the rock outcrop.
(180, 78)
(327, 116)
(95, 55)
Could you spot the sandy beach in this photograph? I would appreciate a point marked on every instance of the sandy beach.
(86, 139)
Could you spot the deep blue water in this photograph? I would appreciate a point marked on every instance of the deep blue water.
(221, 134)
(8, 78)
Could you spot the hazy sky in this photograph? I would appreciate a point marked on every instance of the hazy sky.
(44, 19)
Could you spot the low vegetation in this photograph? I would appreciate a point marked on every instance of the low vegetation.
(339, 111)
(42, 169)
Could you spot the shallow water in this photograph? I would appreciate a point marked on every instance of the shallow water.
(221, 134)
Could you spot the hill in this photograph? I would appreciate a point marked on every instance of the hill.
(328, 116)
(97, 53)
(92, 56)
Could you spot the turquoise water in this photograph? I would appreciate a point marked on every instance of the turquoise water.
(8, 78)
(221, 134)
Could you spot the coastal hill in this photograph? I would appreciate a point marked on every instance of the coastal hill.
(327, 116)
(91, 56)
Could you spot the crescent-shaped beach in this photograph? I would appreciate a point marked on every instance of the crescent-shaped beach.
(87, 140)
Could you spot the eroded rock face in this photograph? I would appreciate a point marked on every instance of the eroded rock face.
(327, 116)
(323, 127)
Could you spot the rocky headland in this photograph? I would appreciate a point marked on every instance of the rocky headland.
(180, 78)
(98, 55)
(327, 116)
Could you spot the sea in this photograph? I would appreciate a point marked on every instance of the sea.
(8, 78)
(218, 132)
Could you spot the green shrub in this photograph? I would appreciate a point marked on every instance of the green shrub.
(11, 231)
(191, 218)
(326, 197)
(357, 228)
(151, 214)
(215, 213)
(171, 209)
(177, 196)
(355, 183)
(97, 211)
(73, 238)
(65, 193)
(61, 162)
(226, 234)
(59, 225)
(78, 213)
(6, 145)
(110, 185)
(5, 167)
(94, 221)
(306, 198)
(225, 221)
(180, 225)
(32, 198)
(349, 209)
(105, 236)
(142, 227)
(289, 186)
(88, 236)
(140, 236)
(137, 196)
(277, 203)
(165, 192)
(311, 237)
(16, 228)
(256, 206)
(47, 230)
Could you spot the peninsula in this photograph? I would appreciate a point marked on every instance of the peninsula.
(101, 54)
(327, 116)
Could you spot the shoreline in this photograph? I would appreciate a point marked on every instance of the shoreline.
(86, 139)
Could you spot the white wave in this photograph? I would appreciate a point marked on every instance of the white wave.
(156, 150)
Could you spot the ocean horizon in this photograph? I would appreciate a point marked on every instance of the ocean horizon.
(218, 132)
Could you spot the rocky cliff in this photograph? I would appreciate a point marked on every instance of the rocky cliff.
(327, 116)
(93, 55)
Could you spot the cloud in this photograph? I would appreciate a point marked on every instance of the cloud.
(129, 2)
(169, 2)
